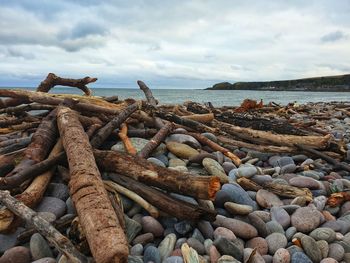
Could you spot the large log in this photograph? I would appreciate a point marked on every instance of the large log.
(101, 226)
(319, 142)
(203, 187)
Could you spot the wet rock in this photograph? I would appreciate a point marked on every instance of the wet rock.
(259, 243)
(311, 249)
(53, 205)
(239, 228)
(267, 199)
(181, 150)
(238, 209)
(39, 248)
(305, 219)
(151, 225)
(281, 216)
(59, 191)
(215, 169)
(16, 255)
(276, 241)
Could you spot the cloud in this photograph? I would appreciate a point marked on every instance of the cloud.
(333, 36)
(173, 42)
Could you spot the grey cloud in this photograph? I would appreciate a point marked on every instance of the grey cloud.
(333, 36)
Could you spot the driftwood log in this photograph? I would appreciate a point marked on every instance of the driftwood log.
(101, 226)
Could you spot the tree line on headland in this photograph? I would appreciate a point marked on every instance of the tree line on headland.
(327, 83)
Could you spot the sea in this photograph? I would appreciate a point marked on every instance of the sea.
(216, 97)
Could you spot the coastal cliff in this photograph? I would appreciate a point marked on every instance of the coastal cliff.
(326, 83)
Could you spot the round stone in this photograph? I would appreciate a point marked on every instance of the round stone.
(196, 245)
(311, 249)
(304, 182)
(59, 191)
(300, 257)
(336, 251)
(214, 168)
(52, 205)
(267, 199)
(45, 260)
(16, 255)
(224, 232)
(238, 209)
(239, 228)
(324, 247)
(181, 150)
(151, 254)
(281, 256)
(156, 161)
(151, 225)
(276, 241)
(259, 243)
(306, 219)
(174, 259)
(246, 171)
(185, 139)
(238, 195)
(167, 245)
(323, 233)
(329, 260)
(39, 248)
(281, 216)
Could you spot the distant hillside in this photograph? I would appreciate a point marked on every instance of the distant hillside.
(328, 83)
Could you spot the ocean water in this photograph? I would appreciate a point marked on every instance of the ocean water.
(216, 97)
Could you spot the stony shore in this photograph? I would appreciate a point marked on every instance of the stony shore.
(252, 225)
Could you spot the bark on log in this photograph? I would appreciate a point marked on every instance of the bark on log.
(53, 80)
(19, 127)
(148, 93)
(338, 165)
(276, 139)
(229, 143)
(172, 206)
(106, 130)
(156, 140)
(104, 234)
(203, 187)
(16, 145)
(26, 107)
(61, 243)
(31, 196)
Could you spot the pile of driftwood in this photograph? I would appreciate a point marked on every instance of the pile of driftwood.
(73, 131)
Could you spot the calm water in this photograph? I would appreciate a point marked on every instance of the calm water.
(217, 97)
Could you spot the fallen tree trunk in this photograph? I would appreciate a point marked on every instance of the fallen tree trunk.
(101, 226)
(276, 139)
(203, 187)
(61, 243)
(172, 206)
(53, 80)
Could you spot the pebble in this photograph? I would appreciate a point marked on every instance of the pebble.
(289, 168)
(267, 199)
(290, 232)
(276, 241)
(198, 235)
(185, 139)
(53, 205)
(133, 228)
(57, 190)
(281, 256)
(156, 161)
(151, 225)
(206, 229)
(16, 255)
(311, 249)
(323, 233)
(181, 150)
(324, 248)
(274, 227)
(71, 208)
(259, 243)
(238, 209)
(136, 250)
(281, 216)
(39, 248)
(238, 195)
(336, 251)
(305, 219)
(214, 254)
(246, 171)
(226, 247)
(239, 228)
(183, 227)
(174, 162)
(174, 259)
(300, 257)
(215, 169)
(304, 182)
(259, 224)
(196, 245)
(44, 260)
(227, 259)
(139, 143)
(224, 232)
(151, 254)
(329, 260)
(166, 246)
(143, 239)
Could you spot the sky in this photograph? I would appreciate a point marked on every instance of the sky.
(172, 44)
